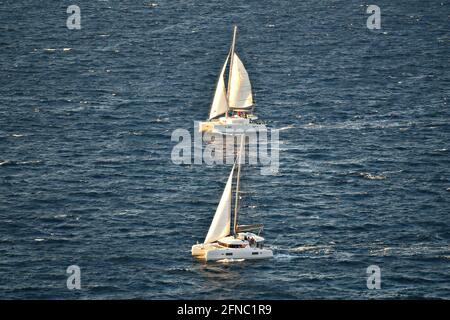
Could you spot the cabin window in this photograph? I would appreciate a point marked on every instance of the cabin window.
(232, 245)
(229, 254)
(255, 253)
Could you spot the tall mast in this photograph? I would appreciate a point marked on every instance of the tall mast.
(236, 200)
(233, 43)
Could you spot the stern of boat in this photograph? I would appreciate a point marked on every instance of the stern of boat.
(198, 250)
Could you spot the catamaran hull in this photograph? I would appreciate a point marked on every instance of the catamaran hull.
(214, 253)
(238, 129)
(231, 125)
(217, 127)
(247, 254)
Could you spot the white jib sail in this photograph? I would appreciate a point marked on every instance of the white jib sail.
(220, 104)
(240, 88)
(220, 226)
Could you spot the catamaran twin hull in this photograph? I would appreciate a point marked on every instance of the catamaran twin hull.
(230, 125)
(211, 252)
(233, 248)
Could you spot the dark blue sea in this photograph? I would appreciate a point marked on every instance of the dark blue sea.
(86, 176)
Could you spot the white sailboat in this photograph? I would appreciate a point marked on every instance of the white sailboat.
(232, 107)
(222, 243)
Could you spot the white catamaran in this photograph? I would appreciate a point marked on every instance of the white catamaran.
(223, 244)
(232, 108)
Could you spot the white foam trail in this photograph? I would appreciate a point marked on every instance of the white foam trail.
(29, 162)
(291, 126)
(284, 257)
(418, 249)
(314, 248)
(369, 176)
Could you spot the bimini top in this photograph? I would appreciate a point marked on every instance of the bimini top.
(251, 235)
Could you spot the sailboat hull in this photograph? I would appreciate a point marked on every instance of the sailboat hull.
(230, 125)
(211, 252)
(242, 253)
(245, 245)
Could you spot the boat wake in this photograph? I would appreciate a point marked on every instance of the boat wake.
(369, 176)
(420, 249)
(4, 162)
(284, 257)
(313, 248)
(291, 126)
(14, 163)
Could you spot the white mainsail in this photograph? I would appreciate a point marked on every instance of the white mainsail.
(220, 226)
(220, 104)
(240, 89)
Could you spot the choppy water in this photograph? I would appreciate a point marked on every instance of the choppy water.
(85, 170)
